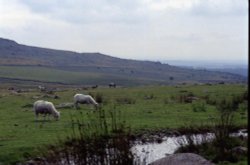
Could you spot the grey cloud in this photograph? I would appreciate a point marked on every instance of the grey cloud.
(218, 8)
(89, 11)
(132, 28)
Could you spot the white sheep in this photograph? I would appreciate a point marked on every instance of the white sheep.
(84, 99)
(45, 108)
(41, 88)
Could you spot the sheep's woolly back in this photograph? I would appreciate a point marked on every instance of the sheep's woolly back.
(84, 99)
(92, 100)
(42, 107)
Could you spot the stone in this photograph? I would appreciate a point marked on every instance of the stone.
(182, 159)
(240, 150)
(65, 105)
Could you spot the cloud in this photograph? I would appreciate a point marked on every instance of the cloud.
(200, 7)
(217, 8)
(89, 11)
(142, 29)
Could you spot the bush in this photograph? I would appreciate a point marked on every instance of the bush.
(199, 106)
(210, 100)
(99, 98)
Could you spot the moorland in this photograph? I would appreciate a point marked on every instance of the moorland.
(143, 108)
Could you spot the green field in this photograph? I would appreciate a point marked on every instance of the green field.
(47, 74)
(146, 107)
(67, 76)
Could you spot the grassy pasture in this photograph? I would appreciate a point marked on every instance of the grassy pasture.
(45, 74)
(146, 107)
(62, 75)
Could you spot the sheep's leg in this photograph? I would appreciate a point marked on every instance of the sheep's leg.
(48, 118)
(36, 117)
(44, 117)
(96, 107)
(76, 105)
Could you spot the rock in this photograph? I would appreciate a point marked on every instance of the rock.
(243, 130)
(159, 140)
(50, 96)
(39, 159)
(36, 161)
(47, 96)
(36, 97)
(65, 105)
(182, 159)
(240, 150)
(14, 93)
(30, 162)
(190, 99)
(176, 133)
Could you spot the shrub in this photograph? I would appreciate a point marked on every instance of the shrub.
(199, 106)
(99, 98)
(210, 100)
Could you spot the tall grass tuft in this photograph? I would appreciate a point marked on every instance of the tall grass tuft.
(199, 106)
(99, 141)
(220, 148)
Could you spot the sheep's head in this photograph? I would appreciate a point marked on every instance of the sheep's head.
(96, 106)
(57, 115)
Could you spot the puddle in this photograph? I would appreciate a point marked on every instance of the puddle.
(150, 152)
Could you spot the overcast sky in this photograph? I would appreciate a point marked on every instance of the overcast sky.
(134, 29)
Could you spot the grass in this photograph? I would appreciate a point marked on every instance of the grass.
(94, 143)
(20, 135)
(50, 74)
(45, 74)
(220, 149)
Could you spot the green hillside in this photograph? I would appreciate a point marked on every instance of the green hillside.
(49, 65)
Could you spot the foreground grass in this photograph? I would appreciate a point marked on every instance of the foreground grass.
(147, 108)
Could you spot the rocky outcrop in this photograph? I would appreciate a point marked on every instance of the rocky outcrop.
(182, 159)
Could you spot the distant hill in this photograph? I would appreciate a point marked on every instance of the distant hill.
(41, 64)
(239, 67)
(240, 71)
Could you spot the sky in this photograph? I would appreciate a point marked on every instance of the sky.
(157, 30)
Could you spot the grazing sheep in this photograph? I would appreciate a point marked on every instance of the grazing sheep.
(84, 99)
(45, 108)
(41, 88)
(112, 84)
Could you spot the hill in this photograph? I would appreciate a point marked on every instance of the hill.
(23, 62)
